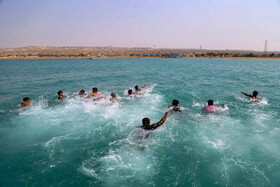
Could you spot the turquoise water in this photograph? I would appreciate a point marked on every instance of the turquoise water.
(87, 143)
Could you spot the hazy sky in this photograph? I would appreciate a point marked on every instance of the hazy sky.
(214, 24)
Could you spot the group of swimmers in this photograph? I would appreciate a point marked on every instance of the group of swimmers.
(146, 125)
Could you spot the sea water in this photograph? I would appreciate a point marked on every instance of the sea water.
(81, 142)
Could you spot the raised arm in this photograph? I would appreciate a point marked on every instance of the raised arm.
(163, 119)
(146, 86)
(247, 94)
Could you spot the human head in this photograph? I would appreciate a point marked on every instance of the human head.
(146, 122)
(255, 93)
(130, 92)
(26, 99)
(82, 91)
(136, 87)
(175, 102)
(113, 95)
(94, 90)
(210, 102)
(60, 93)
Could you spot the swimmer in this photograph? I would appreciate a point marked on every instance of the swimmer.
(94, 93)
(211, 107)
(25, 102)
(147, 126)
(137, 89)
(60, 95)
(114, 97)
(254, 96)
(82, 93)
(175, 106)
(131, 94)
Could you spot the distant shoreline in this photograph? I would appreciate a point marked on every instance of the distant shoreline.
(118, 57)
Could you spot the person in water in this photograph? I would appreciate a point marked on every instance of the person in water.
(131, 94)
(25, 102)
(254, 96)
(147, 126)
(114, 97)
(175, 106)
(82, 93)
(211, 107)
(60, 95)
(137, 89)
(94, 93)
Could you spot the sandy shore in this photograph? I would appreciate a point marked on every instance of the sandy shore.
(116, 57)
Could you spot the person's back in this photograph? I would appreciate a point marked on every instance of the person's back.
(131, 94)
(175, 106)
(146, 123)
(94, 93)
(114, 97)
(25, 102)
(254, 96)
(82, 93)
(60, 95)
(211, 108)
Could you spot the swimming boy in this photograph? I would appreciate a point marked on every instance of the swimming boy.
(254, 96)
(147, 126)
(60, 95)
(82, 93)
(137, 89)
(94, 93)
(175, 106)
(25, 102)
(211, 107)
(114, 97)
(131, 94)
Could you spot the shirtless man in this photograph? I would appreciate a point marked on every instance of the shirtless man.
(25, 102)
(254, 96)
(82, 93)
(137, 89)
(94, 93)
(60, 95)
(114, 97)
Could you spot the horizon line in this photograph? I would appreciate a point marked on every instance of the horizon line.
(73, 46)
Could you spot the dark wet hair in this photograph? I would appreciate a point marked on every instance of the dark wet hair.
(210, 102)
(82, 91)
(255, 93)
(175, 102)
(146, 121)
(136, 87)
(129, 91)
(94, 90)
(25, 99)
(58, 93)
(113, 95)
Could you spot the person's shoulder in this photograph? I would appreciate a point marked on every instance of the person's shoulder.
(177, 109)
(155, 125)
